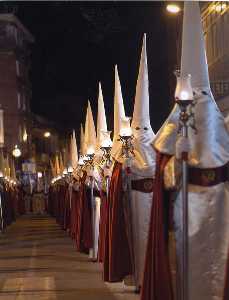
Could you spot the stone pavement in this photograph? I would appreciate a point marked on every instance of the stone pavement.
(38, 261)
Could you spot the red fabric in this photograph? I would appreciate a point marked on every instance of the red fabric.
(87, 236)
(84, 226)
(66, 224)
(74, 210)
(157, 282)
(226, 288)
(102, 226)
(117, 262)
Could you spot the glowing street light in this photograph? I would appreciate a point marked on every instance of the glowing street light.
(47, 134)
(173, 8)
(16, 152)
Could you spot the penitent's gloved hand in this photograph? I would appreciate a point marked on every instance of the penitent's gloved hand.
(182, 145)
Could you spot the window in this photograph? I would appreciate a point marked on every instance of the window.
(18, 100)
(24, 103)
(17, 68)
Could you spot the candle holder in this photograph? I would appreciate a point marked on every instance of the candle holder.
(185, 100)
(90, 158)
(106, 158)
(127, 146)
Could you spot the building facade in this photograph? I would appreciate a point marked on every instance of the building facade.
(215, 19)
(15, 87)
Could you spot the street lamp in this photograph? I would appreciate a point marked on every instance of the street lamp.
(47, 134)
(173, 8)
(16, 151)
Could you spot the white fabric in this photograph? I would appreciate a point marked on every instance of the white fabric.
(141, 115)
(119, 113)
(141, 210)
(96, 201)
(182, 145)
(74, 151)
(193, 58)
(208, 239)
(96, 218)
(82, 150)
(90, 133)
(101, 118)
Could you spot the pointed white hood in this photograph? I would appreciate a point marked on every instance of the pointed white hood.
(73, 151)
(82, 150)
(90, 133)
(142, 130)
(209, 147)
(119, 114)
(57, 165)
(101, 118)
(53, 170)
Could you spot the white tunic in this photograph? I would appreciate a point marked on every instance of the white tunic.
(208, 239)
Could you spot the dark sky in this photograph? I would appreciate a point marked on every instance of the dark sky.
(77, 45)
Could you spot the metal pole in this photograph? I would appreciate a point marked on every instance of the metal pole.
(107, 185)
(1, 215)
(185, 219)
(93, 217)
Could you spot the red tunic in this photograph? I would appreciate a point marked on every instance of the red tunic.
(117, 262)
(157, 282)
(102, 226)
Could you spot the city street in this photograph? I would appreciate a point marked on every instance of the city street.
(38, 261)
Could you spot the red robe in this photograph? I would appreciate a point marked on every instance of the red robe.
(84, 239)
(157, 282)
(117, 262)
(102, 226)
(67, 210)
(74, 211)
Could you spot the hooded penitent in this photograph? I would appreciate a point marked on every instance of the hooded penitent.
(116, 249)
(208, 187)
(142, 167)
(97, 179)
(86, 201)
(119, 114)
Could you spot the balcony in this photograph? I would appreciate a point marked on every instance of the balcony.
(220, 89)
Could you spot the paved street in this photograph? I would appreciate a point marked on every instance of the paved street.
(38, 261)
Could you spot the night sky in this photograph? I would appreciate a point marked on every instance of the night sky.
(77, 45)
